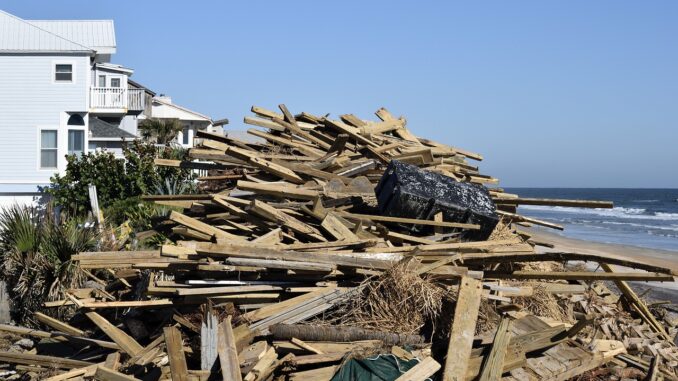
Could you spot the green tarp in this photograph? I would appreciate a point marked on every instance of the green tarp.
(385, 367)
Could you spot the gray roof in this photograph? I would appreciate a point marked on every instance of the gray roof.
(100, 129)
(96, 34)
(17, 35)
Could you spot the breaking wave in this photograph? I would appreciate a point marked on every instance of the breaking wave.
(616, 212)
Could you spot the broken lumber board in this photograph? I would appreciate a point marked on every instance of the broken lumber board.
(278, 190)
(224, 290)
(202, 227)
(58, 336)
(420, 372)
(129, 304)
(273, 309)
(412, 221)
(105, 373)
(270, 213)
(126, 342)
(353, 132)
(554, 202)
(189, 164)
(637, 304)
(494, 363)
(333, 225)
(58, 325)
(463, 329)
(284, 265)
(580, 275)
(175, 352)
(40, 360)
(228, 353)
(488, 258)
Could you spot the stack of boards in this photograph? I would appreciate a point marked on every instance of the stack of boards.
(287, 227)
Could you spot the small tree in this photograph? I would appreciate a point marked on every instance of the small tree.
(163, 131)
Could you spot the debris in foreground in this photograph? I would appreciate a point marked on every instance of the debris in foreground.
(292, 266)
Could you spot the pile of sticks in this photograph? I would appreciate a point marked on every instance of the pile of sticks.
(287, 230)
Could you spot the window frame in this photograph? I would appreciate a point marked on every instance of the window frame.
(55, 149)
(99, 78)
(73, 77)
(119, 79)
(68, 140)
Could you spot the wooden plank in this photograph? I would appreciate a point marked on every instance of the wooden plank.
(304, 345)
(104, 373)
(519, 218)
(126, 342)
(494, 363)
(554, 202)
(41, 360)
(333, 225)
(202, 227)
(279, 190)
(637, 304)
(58, 325)
(463, 329)
(225, 290)
(580, 275)
(270, 213)
(413, 221)
(420, 372)
(228, 353)
(175, 352)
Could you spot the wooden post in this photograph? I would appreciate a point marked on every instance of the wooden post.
(463, 329)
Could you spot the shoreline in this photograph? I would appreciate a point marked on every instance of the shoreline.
(663, 258)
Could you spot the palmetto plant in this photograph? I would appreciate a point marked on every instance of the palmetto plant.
(162, 130)
(36, 251)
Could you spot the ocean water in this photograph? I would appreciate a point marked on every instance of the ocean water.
(640, 217)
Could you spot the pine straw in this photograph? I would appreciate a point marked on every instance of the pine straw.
(398, 301)
(502, 231)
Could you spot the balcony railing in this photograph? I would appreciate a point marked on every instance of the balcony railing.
(117, 98)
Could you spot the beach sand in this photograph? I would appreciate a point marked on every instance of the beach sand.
(663, 258)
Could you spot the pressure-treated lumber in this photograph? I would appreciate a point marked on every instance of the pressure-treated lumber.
(126, 342)
(494, 363)
(228, 354)
(420, 372)
(175, 352)
(463, 329)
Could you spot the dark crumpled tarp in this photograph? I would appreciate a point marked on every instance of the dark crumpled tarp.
(380, 368)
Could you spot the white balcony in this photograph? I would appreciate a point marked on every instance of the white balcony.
(116, 100)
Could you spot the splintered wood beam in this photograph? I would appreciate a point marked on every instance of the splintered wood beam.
(125, 341)
(228, 353)
(420, 372)
(58, 325)
(279, 190)
(494, 363)
(272, 214)
(463, 329)
(581, 275)
(175, 352)
(188, 164)
(554, 202)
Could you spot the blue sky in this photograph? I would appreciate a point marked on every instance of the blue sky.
(552, 93)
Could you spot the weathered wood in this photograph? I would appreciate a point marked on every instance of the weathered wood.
(58, 325)
(412, 221)
(555, 202)
(40, 360)
(463, 329)
(126, 342)
(228, 353)
(580, 275)
(494, 363)
(175, 352)
(420, 372)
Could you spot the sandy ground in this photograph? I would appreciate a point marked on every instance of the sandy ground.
(663, 258)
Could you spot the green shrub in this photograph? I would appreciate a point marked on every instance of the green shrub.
(118, 179)
(36, 257)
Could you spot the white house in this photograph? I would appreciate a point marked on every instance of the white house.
(191, 121)
(59, 94)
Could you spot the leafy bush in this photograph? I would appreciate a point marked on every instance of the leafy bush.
(118, 179)
(35, 252)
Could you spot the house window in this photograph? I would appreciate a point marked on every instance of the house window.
(63, 73)
(48, 149)
(184, 136)
(76, 142)
(115, 82)
(102, 81)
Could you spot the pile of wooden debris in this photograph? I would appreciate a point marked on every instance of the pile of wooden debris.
(289, 266)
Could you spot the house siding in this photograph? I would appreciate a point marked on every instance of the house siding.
(30, 99)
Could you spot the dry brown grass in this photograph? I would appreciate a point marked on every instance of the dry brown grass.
(398, 301)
